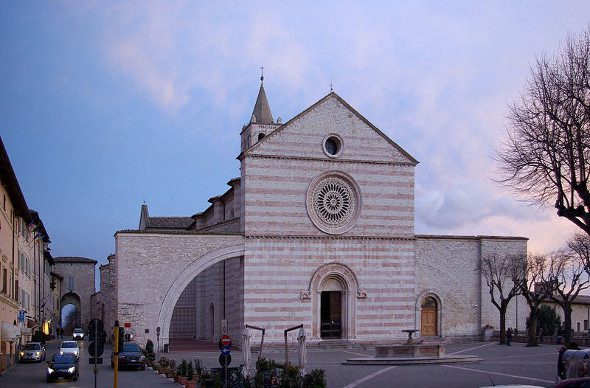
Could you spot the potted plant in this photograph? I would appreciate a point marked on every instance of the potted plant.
(190, 375)
(171, 373)
(181, 372)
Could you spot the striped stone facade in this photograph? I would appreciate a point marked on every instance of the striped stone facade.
(323, 213)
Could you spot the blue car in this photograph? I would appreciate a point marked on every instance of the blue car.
(63, 365)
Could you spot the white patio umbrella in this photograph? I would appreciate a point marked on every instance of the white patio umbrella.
(302, 351)
(246, 351)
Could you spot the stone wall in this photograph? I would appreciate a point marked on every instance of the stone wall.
(448, 267)
(152, 271)
(82, 276)
(280, 290)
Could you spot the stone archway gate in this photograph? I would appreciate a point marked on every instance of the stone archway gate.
(78, 278)
(152, 269)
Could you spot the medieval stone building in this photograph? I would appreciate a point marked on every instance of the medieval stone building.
(318, 230)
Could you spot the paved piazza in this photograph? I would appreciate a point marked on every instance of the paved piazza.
(501, 365)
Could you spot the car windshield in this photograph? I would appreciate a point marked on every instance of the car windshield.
(64, 358)
(131, 348)
(32, 347)
(78, 331)
(70, 344)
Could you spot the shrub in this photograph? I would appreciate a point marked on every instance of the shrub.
(182, 368)
(148, 352)
(199, 370)
(190, 371)
(315, 379)
(549, 320)
(164, 362)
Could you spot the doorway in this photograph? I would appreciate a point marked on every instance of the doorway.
(331, 315)
(429, 317)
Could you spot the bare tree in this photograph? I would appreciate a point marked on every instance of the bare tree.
(535, 289)
(545, 154)
(567, 275)
(502, 274)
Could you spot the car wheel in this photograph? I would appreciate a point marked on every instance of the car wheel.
(142, 367)
(48, 380)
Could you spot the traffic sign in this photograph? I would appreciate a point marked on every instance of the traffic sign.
(226, 350)
(224, 341)
(224, 360)
(96, 348)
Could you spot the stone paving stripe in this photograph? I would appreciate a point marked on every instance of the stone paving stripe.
(522, 356)
(358, 354)
(369, 377)
(497, 373)
(467, 350)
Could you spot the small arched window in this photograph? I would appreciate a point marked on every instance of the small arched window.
(429, 302)
(261, 136)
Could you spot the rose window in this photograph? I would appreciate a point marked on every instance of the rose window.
(333, 203)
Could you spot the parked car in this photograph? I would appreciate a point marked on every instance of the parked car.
(78, 334)
(64, 365)
(130, 356)
(32, 351)
(69, 347)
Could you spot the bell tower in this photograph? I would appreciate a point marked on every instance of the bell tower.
(261, 122)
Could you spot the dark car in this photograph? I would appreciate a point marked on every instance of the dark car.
(63, 365)
(130, 356)
(582, 382)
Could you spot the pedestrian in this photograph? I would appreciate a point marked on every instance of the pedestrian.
(560, 365)
(509, 337)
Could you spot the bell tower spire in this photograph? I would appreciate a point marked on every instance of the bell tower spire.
(261, 122)
(261, 113)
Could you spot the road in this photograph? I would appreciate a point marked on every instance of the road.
(33, 374)
(500, 365)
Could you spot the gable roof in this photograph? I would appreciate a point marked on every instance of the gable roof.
(74, 259)
(351, 109)
(170, 222)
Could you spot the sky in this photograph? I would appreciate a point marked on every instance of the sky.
(105, 105)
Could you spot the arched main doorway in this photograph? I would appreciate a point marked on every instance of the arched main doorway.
(333, 290)
(429, 317)
(331, 307)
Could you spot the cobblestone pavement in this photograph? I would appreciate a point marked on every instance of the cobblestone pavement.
(514, 364)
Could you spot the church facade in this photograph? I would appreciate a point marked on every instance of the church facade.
(318, 230)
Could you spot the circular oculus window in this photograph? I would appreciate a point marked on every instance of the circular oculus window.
(333, 202)
(332, 146)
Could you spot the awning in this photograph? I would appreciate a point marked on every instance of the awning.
(9, 332)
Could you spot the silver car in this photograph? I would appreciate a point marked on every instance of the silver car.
(78, 334)
(32, 351)
(69, 347)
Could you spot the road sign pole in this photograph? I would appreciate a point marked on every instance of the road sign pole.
(95, 352)
(116, 355)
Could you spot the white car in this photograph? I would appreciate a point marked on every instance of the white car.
(69, 347)
(78, 334)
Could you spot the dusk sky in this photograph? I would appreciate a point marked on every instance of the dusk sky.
(105, 105)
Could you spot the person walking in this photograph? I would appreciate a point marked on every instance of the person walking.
(509, 337)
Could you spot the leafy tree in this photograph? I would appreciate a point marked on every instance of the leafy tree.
(546, 152)
(549, 320)
(502, 274)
